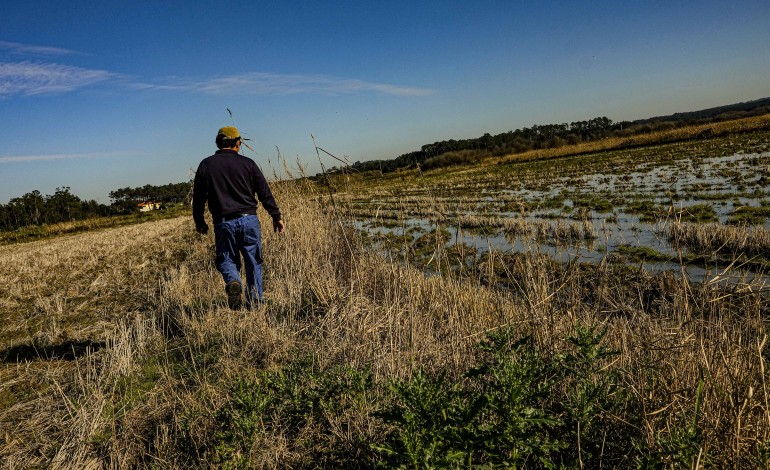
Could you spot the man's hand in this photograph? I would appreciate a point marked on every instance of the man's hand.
(202, 229)
(279, 225)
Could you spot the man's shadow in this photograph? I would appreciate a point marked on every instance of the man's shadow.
(67, 351)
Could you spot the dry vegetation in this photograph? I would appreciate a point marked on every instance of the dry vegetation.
(119, 352)
(722, 239)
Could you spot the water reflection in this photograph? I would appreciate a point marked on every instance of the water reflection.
(629, 232)
(638, 203)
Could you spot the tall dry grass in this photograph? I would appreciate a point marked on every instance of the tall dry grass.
(732, 240)
(151, 396)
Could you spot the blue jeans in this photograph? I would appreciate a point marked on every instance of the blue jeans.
(238, 237)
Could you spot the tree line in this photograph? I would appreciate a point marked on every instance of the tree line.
(34, 208)
(468, 151)
(720, 113)
(520, 140)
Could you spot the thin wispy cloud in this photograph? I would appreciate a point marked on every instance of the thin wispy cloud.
(260, 83)
(32, 78)
(27, 78)
(28, 49)
(59, 156)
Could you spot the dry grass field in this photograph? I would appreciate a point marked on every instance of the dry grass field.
(118, 351)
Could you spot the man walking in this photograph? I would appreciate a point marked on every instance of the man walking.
(229, 181)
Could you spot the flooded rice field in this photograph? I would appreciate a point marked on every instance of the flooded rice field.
(701, 208)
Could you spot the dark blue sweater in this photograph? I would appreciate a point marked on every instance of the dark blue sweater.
(229, 181)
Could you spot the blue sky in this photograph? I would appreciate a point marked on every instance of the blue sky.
(102, 95)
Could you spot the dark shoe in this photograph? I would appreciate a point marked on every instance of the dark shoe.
(234, 300)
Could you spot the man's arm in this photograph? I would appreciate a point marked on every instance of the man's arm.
(199, 200)
(265, 196)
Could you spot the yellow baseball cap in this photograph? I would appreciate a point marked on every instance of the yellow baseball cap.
(229, 132)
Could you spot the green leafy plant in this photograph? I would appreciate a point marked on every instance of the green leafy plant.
(593, 395)
(239, 420)
(286, 402)
(496, 416)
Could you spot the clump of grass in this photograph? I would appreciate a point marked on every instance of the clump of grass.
(592, 202)
(701, 213)
(642, 253)
(750, 215)
(512, 224)
(724, 240)
(556, 202)
(565, 233)
(647, 210)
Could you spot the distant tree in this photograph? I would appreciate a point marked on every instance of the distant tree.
(63, 206)
(29, 208)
